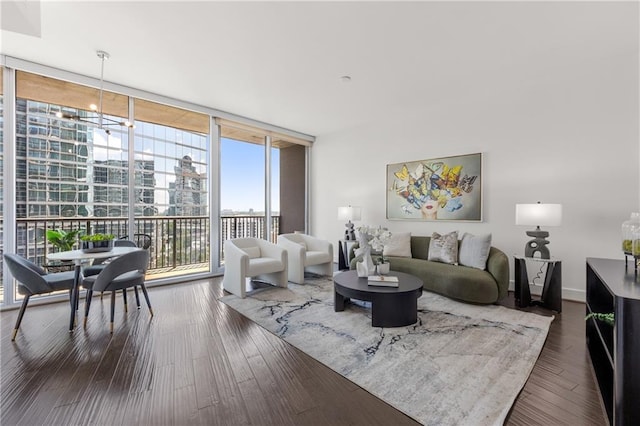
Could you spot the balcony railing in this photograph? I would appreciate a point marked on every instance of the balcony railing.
(176, 241)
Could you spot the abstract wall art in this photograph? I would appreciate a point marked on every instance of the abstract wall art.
(448, 188)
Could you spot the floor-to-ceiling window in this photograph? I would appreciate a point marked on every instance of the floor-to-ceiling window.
(1, 185)
(253, 165)
(77, 166)
(171, 185)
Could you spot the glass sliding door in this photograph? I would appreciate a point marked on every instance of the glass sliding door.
(242, 190)
(171, 187)
(244, 175)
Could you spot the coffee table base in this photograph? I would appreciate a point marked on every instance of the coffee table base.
(397, 311)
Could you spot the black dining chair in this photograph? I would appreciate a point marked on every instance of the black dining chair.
(121, 273)
(33, 280)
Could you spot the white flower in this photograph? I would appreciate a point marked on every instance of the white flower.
(376, 237)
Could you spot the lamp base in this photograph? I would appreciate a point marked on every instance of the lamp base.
(537, 245)
(349, 233)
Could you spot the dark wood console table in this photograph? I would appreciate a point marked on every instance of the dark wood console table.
(615, 349)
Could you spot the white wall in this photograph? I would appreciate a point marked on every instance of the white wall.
(565, 131)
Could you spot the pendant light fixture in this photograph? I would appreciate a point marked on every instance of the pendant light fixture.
(100, 121)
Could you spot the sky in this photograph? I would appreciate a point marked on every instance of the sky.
(242, 176)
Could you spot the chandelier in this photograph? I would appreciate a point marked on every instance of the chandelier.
(99, 120)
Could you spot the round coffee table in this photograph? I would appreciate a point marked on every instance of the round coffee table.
(390, 306)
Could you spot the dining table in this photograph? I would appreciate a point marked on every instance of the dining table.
(79, 257)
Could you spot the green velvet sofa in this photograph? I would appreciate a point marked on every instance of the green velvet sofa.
(455, 281)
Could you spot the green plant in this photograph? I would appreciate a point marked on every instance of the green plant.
(606, 318)
(64, 240)
(97, 237)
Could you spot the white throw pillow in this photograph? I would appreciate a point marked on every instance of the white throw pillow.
(399, 245)
(474, 250)
(253, 252)
(444, 248)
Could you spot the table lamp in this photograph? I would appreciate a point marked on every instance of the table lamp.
(538, 215)
(349, 213)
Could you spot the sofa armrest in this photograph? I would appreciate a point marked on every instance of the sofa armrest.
(498, 267)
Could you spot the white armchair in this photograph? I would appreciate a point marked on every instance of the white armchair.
(307, 253)
(255, 258)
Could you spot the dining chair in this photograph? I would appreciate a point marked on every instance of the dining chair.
(121, 273)
(98, 265)
(33, 280)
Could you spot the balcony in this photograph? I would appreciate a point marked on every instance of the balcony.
(178, 244)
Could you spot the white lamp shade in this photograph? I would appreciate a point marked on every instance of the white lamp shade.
(539, 214)
(349, 213)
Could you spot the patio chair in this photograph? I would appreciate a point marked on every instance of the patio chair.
(306, 254)
(33, 280)
(253, 258)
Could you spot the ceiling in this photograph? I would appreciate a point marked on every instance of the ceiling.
(281, 62)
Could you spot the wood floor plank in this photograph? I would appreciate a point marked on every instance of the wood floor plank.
(199, 362)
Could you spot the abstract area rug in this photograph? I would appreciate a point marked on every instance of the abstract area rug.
(459, 364)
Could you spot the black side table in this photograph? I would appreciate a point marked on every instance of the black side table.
(551, 297)
(343, 254)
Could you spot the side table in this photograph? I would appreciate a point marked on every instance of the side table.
(343, 254)
(551, 297)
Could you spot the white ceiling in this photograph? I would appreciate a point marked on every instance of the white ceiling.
(281, 63)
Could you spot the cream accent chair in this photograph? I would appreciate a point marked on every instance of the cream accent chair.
(307, 253)
(254, 258)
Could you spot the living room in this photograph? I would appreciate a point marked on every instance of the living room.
(546, 91)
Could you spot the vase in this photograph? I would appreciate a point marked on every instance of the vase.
(365, 267)
(383, 268)
(97, 246)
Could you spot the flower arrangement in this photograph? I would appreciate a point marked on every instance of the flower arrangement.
(374, 237)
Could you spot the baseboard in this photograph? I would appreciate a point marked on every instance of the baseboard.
(572, 294)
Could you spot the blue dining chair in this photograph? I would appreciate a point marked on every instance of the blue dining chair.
(33, 280)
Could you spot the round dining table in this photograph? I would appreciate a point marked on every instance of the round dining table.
(79, 257)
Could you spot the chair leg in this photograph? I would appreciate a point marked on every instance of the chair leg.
(20, 315)
(146, 296)
(113, 310)
(135, 291)
(87, 305)
(124, 297)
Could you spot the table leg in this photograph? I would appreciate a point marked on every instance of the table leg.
(338, 302)
(75, 297)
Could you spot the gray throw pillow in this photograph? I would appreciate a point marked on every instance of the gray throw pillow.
(399, 245)
(474, 250)
(444, 248)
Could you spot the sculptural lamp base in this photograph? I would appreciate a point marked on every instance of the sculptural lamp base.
(538, 244)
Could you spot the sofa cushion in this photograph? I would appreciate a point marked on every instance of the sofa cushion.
(316, 258)
(455, 281)
(474, 250)
(399, 245)
(252, 252)
(444, 248)
(420, 247)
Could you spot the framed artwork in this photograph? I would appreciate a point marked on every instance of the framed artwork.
(448, 188)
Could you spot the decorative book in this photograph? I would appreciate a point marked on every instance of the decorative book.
(383, 280)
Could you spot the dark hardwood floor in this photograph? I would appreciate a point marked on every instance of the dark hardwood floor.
(199, 362)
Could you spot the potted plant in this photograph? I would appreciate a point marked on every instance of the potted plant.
(63, 240)
(95, 243)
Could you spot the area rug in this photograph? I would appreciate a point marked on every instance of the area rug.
(459, 364)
